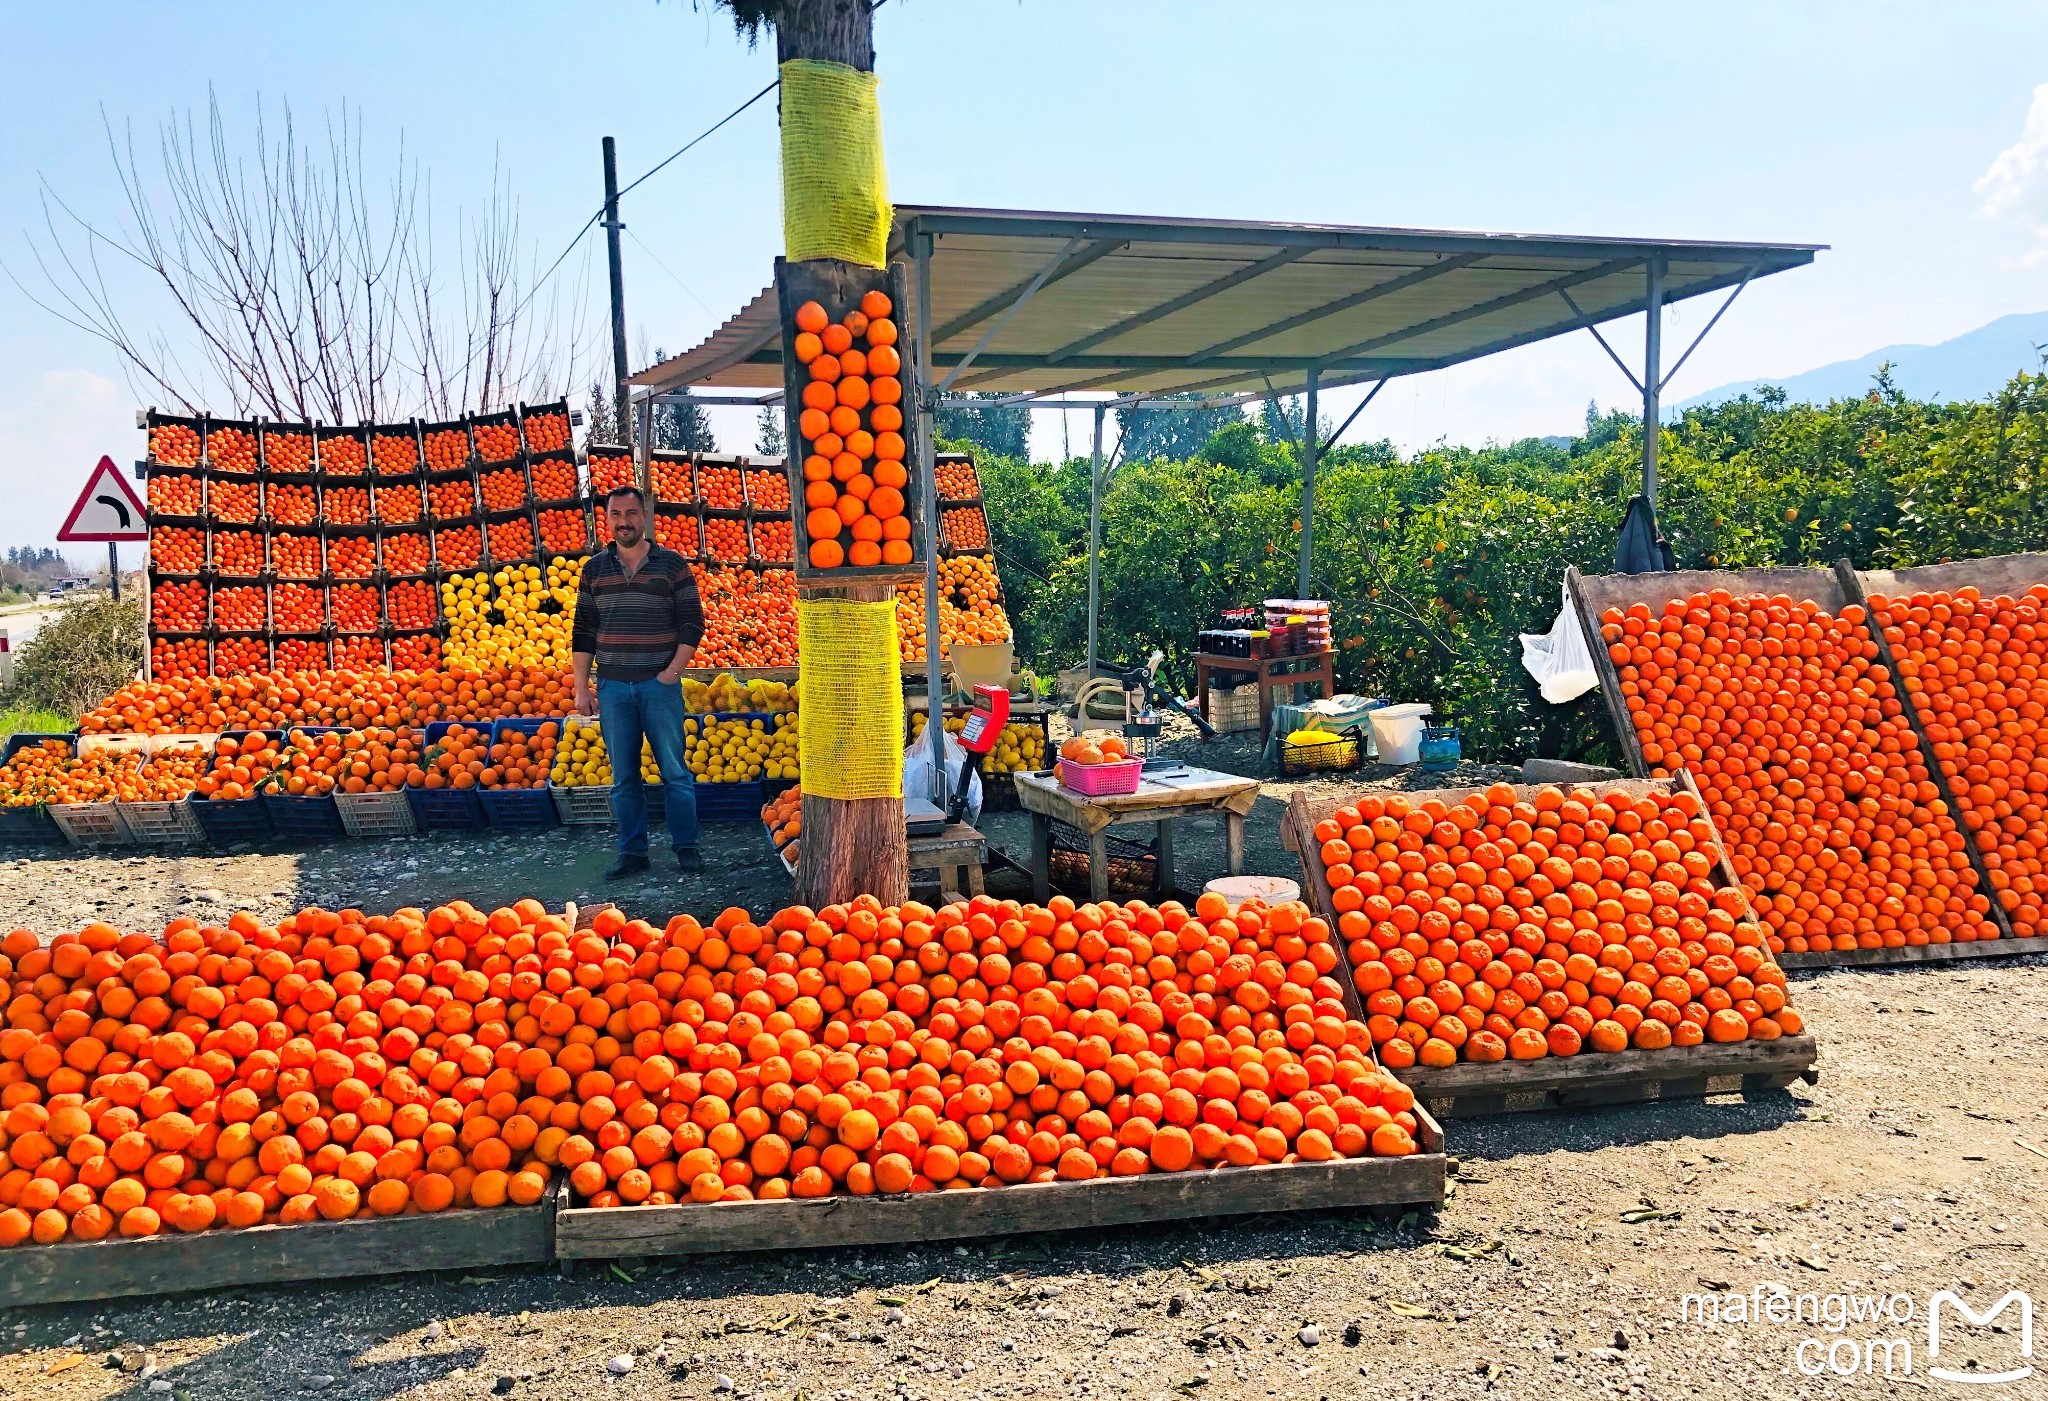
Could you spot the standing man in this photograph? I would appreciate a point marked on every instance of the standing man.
(638, 618)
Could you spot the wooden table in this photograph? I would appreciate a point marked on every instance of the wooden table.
(957, 854)
(1159, 801)
(1301, 669)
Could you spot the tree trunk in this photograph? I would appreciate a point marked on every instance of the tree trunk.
(850, 847)
(832, 31)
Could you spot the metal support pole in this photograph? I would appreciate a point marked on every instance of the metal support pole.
(642, 442)
(928, 495)
(114, 568)
(612, 226)
(1308, 483)
(1653, 351)
(1094, 539)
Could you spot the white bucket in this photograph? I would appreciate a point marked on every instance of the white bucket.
(1397, 732)
(1272, 890)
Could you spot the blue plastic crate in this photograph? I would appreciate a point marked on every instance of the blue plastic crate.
(29, 824)
(730, 802)
(227, 821)
(520, 809)
(305, 819)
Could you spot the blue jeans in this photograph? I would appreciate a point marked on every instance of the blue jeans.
(628, 710)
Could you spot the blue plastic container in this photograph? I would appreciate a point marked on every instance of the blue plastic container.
(444, 809)
(519, 809)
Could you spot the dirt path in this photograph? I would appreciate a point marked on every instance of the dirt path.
(1557, 1269)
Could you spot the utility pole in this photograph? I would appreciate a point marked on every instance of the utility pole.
(611, 238)
(1653, 371)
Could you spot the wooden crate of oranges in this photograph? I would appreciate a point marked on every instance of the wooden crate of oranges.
(1771, 687)
(1534, 947)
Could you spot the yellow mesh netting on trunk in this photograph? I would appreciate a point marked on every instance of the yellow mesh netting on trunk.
(835, 198)
(852, 740)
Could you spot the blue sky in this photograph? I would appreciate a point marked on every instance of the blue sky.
(1908, 136)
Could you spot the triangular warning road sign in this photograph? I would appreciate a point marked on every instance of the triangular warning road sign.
(108, 509)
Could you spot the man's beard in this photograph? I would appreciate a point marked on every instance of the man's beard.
(627, 535)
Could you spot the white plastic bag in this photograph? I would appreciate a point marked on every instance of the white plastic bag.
(1559, 661)
(917, 774)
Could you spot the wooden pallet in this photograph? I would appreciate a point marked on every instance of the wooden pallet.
(1913, 953)
(324, 1250)
(1469, 1090)
(698, 1229)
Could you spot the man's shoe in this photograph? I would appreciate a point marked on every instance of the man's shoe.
(626, 866)
(687, 860)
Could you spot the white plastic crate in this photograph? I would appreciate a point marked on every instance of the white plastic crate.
(161, 824)
(372, 815)
(583, 806)
(89, 824)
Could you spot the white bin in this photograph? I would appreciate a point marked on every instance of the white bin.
(1397, 732)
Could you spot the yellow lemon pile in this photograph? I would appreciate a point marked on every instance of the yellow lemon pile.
(515, 616)
(581, 760)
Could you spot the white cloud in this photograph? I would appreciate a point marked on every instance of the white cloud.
(2014, 177)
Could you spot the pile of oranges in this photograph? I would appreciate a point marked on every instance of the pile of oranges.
(178, 607)
(295, 556)
(342, 455)
(299, 653)
(1504, 926)
(174, 495)
(237, 554)
(673, 483)
(522, 761)
(774, 541)
(452, 500)
(296, 608)
(461, 548)
(394, 454)
(231, 449)
(355, 607)
(749, 617)
(512, 541)
(238, 654)
(565, 532)
(851, 425)
(228, 1076)
(242, 766)
(720, 487)
(380, 760)
(177, 549)
(174, 445)
(768, 488)
(783, 816)
(956, 481)
(355, 556)
(240, 608)
(345, 505)
(447, 449)
(35, 775)
(1973, 667)
(422, 653)
(725, 539)
(358, 652)
(457, 760)
(1812, 773)
(238, 503)
(547, 432)
(287, 452)
(966, 528)
(172, 658)
(168, 775)
(289, 503)
(398, 503)
(356, 700)
(554, 480)
(970, 607)
(503, 490)
(406, 553)
(497, 442)
(676, 532)
(410, 604)
(49, 772)
(615, 469)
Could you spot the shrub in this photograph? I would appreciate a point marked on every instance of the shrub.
(90, 648)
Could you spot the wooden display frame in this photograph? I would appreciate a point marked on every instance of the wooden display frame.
(839, 287)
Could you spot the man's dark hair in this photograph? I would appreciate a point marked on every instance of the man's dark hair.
(633, 491)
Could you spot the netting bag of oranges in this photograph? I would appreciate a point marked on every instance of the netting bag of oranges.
(1501, 925)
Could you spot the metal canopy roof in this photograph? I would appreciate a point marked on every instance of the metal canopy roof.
(1140, 305)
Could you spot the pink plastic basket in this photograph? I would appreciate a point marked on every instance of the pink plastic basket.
(1102, 780)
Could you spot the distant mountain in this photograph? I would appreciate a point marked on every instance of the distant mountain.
(1971, 366)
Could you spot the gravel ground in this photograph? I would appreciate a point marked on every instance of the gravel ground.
(1918, 1163)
